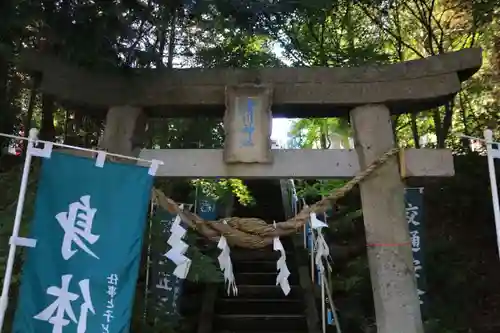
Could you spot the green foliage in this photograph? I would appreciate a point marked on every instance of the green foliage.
(317, 188)
(204, 266)
(322, 133)
(236, 49)
(185, 133)
(221, 189)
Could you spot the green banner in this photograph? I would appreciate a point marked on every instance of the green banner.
(166, 288)
(89, 225)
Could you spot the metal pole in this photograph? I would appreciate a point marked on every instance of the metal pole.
(306, 238)
(313, 242)
(332, 307)
(4, 298)
(488, 134)
(62, 145)
(323, 300)
(148, 261)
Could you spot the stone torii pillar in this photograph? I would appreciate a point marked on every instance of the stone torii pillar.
(390, 257)
(124, 130)
(397, 307)
(368, 94)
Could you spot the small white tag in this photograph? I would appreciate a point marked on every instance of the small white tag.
(22, 241)
(45, 152)
(154, 167)
(101, 158)
(495, 152)
(182, 270)
(316, 223)
(176, 257)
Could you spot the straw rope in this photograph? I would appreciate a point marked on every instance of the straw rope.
(255, 233)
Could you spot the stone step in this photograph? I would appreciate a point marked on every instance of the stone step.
(261, 292)
(259, 255)
(259, 306)
(254, 255)
(267, 278)
(260, 323)
(261, 266)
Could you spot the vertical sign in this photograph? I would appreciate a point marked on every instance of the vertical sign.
(89, 225)
(166, 286)
(206, 207)
(309, 237)
(414, 217)
(247, 123)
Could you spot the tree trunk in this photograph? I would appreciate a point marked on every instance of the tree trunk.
(414, 130)
(171, 40)
(322, 140)
(437, 126)
(447, 121)
(48, 131)
(443, 126)
(6, 118)
(31, 106)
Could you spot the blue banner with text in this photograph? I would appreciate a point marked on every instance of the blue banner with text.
(414, 216)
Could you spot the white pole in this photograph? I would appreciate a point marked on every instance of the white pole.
(313, 242)
(4, 299)
(323, 302)
(306, 239)
(62, 145)
(488, 135)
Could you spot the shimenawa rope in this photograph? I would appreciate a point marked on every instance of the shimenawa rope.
(255, 233)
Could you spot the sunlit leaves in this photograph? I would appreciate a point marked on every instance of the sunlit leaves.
(321, 133)
(220, 189)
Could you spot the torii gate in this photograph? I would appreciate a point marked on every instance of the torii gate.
(249, 98)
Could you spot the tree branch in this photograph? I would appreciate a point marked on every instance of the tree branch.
(381, 26)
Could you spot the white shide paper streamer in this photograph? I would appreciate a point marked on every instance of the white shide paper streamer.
(178, 248)
(282, 268)
(226, 266)
(322, 249)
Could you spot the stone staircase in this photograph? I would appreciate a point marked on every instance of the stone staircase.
(260, 305)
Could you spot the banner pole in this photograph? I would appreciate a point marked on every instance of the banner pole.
(4, 298)
(95, 151)
(488, 135)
